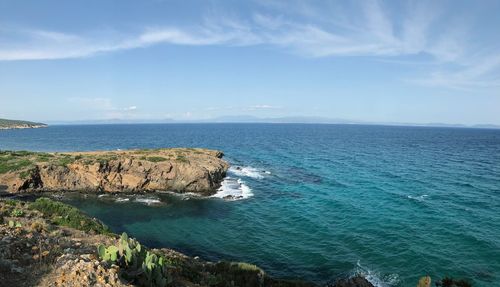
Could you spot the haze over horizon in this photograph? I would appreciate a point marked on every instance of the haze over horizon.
(371, 61)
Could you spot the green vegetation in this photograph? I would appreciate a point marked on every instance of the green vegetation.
(24, 174)
(66, 215)
(12, 161)
(16, 213)
(138, 265)
(14, 224)
(182, 158)
(11, 202)
(44, 157)
(154, 158)
(65, 159)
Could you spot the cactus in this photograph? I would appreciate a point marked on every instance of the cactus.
(137, 264)
(16, 213)
(109, 254)
(16, 224)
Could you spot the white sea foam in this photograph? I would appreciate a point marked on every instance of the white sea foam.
(374, 278)
(418, 198)
(247, 171)
(122, 199)
(148, 200)
(233, 189)
(102, 195)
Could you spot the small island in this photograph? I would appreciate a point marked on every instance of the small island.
(199, 171)
(15, 124)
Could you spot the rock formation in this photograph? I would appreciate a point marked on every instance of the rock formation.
(180, 170)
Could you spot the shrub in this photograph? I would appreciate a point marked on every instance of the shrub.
(65, 160)
(182, 158)
(66, 215)
(11, 202)
(155, 158)
(13, 164)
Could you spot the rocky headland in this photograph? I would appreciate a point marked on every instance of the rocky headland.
(15, 124)
(199, 171)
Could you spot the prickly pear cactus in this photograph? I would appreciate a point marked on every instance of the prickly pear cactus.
(136, 262)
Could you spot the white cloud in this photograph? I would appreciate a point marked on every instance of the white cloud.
(263, 107)
(319, 32)
(105, 107)
(131, 108)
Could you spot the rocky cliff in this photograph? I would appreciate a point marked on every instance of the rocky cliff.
(180, 170)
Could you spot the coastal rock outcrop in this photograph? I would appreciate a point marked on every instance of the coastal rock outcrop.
(178, 169)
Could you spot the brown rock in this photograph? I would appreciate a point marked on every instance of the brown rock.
(179, 170)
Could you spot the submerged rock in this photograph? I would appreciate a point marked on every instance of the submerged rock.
(180, 170)
(356, 281)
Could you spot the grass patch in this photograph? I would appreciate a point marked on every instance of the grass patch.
(66, 215)
(8, 164)
(24, 174)
(64, 160)
(11, 202)
(182, 158)
(155, 158)
(44, 157)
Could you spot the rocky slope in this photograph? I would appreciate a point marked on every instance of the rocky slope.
(180, 170)
(14, 124)
(38, 248)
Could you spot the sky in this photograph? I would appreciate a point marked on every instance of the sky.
(373, 61)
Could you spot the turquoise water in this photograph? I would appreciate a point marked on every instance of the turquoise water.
(325, 200)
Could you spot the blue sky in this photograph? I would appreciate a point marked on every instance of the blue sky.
(377, 61)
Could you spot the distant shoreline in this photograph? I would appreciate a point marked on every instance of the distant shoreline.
(23, 127)
(276, 123)
(6, 124)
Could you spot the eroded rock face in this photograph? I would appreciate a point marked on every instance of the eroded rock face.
(181, 170)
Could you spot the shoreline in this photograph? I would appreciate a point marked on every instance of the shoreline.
(21, 127)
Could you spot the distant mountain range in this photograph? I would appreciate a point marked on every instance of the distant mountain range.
(277, 120)
(16, 124)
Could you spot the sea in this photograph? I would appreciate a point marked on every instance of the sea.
(313, 201)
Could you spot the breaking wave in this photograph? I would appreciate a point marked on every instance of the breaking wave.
(248, 171)
(233, 189)
(374, 277)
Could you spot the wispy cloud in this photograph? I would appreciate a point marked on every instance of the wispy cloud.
(371, 30)
(105, 107)
(263, 107)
